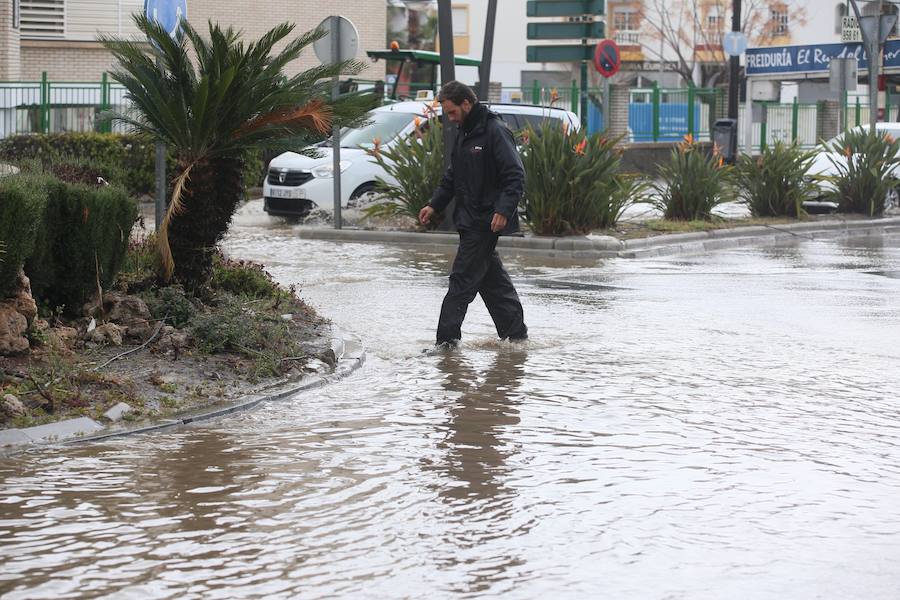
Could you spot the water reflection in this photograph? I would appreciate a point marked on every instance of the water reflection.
(475, 467)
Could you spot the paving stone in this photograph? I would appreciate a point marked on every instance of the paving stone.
(62, 430)
(117, 412)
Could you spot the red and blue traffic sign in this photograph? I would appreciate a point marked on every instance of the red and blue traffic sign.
(607, 58)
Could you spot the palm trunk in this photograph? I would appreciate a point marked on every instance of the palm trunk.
(210, 198)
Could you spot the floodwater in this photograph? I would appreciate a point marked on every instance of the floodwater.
(714, 426)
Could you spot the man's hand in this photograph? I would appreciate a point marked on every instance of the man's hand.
(425, 215)
(498, 223)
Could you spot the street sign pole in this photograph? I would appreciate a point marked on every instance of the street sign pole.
(734, 65)
(335, 126)
(340, 44)
(448, 73)
(168, 14)
(584, 94)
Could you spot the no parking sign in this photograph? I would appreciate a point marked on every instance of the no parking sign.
(607, 58)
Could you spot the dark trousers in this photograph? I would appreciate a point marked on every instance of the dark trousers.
(477, 270)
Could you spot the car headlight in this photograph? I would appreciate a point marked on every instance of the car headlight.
(325, 171)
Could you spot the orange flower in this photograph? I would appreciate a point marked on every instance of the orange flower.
(579, 148)
(565, 127)
(689, 139)
(847, 151)
(377, 149)
(889, 138)
(721, 161)
(416, 122)
(717, 151)
(554, 96)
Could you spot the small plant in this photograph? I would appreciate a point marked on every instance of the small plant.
(22, 202)
(774, 184)
(866, 163)
(242, 278)
(417, 163)
(692, 184)
(172, 304)
(572, 181)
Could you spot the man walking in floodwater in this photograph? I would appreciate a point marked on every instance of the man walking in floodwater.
(487, 178)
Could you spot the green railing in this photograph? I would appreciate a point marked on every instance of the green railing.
(782, 122)
(51, 107)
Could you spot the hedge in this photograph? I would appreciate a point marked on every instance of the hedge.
(83, 236)
(22, 201)
(129, 159)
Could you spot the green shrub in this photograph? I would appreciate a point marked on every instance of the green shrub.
(774, 184)
(572, 181)
(82, 242)
(170, 304)
(865, 162)
(22, 201)
(417, 163)
(692, 184)
(130, 160)
(242, 278)
(140, 267)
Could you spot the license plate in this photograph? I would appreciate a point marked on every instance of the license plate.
(296, 193)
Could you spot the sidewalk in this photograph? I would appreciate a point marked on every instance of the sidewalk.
(601, 246)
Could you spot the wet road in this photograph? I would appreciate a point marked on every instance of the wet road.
(717, 426)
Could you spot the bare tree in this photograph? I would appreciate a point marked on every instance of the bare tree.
(690, 32)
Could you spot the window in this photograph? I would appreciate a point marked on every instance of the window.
(43, 18)
(715, 24)
(460, 20)
(625, 20)
(779, 19)
(15, 14)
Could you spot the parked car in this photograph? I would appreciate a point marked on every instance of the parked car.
(295, 184)
(823, 165)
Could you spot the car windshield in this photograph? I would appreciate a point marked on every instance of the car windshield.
(384, 126)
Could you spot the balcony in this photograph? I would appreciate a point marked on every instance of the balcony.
(628, 38)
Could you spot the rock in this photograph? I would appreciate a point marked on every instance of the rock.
(13, 326)
(173, 340)
(118, 412)
(108, 334)
(11, 407)
(130, 312)
(62, 338)
(24, 300)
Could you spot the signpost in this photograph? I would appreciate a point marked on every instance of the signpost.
(734, 43)
(583, 27)
(339, 44)
(169, 14)
(607, 58)
(843, 77)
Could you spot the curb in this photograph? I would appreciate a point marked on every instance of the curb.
(601, 246)
(350, 355)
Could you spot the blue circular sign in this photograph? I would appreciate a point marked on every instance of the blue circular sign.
(168, 13)
(734, 43)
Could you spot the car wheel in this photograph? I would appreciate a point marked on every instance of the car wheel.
(363, 196)
(892, 199)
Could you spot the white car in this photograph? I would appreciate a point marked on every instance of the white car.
(296, 184)
(822, 164)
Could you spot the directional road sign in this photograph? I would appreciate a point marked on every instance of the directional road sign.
(565, 8)
(734, 43)
(168, 13)
(563, 53)
(567, 31)
(607, 58)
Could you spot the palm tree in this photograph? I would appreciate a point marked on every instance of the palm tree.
(211, 100)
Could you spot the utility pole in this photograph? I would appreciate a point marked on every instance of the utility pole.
(448, 73)
(874, 29)
(734, 65)
(484, 72)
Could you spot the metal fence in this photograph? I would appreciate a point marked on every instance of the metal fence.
(654, 114)
(56, 107)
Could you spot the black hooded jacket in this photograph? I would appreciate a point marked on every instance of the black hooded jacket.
(485, 175)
